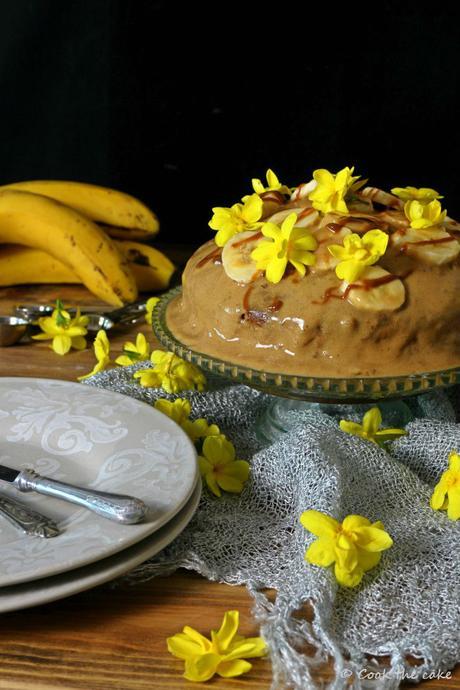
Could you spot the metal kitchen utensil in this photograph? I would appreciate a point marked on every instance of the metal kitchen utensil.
(125, 509)
(12, 328)
(129, 314)
(27, 520)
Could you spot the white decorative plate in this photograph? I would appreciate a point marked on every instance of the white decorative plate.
(95, 438)
(60, 586)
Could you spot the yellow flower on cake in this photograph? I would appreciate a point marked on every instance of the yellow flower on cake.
(238, 218)
(353, 547)
(424, 215)
(224, 653)
(219, 468)
(358, 252)
(134, 352)
(101, 347)
(446, 494)
(422, 194)
(171, 373)
(179, 411)
(273, 184)
(286, 244)
(331, 190)
(64, 331)
(370, 428)
(150, 304)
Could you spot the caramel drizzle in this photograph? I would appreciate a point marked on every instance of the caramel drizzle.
(247, 240)
(306, 212)
(272, 195)
(215, 254)
(367, 284)
(441, 240)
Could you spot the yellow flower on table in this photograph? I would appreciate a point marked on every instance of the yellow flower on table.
(353, 547)
(331, 189)
(171, 373)
(286, 244)
(224, 653)
(273, 184)
(101, 347)
(134, 352)
(358, 252)
(424, 215)
(150, 304)
(179, 411)
(64, 331)
(370, 428)
(446, 494)
(422, 194)
(240, 217)
(219, 468)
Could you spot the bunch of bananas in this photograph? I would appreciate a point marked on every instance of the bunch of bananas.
(61, 232)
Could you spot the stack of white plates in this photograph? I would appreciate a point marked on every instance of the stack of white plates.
(104, 441)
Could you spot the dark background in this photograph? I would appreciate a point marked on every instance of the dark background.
(181, 105)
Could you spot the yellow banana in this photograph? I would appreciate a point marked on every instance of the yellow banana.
(131, 218)
(40, 222)
(21, 265)
(151, 268)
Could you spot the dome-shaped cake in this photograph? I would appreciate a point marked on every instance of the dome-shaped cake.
(330, 278)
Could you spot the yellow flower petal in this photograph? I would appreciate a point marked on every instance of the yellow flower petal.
(348, 578)
(319, 524)
(373, 539)
(453, 508)
(61, 344)
(183, 646)
(201, 668)
(231, 669)
(321, 552)
(372, 421)
(454, 461)
(368, 559)
(212, 484)
(227, 631)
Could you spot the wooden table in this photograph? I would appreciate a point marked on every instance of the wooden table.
(105, 637)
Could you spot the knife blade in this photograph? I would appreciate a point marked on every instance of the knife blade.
(117, 507)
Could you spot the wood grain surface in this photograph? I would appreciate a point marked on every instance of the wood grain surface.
(114, 637)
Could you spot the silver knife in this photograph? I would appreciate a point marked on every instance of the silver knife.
(29, 521)
(117, 507)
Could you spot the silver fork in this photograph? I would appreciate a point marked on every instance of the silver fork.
(29, 521)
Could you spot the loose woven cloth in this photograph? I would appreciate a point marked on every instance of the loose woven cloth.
(406, 607)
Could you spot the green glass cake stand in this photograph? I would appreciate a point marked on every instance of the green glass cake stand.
(396, 396)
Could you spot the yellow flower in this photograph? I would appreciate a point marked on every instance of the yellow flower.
(424, 215)
(370, 428)
(422, 194)
(150, 304)
(134, 352)
(331, 190)
(101, 347)
(219, 467)
(287, 244)
(358, 252)
(238, 218)
(223, 654)
(179, 411)
(171, 373)
(353, 546)
(63, 330)
(273, 184)
(446, 494)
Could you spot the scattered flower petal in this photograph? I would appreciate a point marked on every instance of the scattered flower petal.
(446, 493)
(101, 347)
(370, 428)
(64, 331)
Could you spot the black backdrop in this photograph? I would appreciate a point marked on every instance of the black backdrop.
(181, 104)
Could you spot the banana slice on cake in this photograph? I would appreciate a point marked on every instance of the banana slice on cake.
(306, 215)
(433, 247)
(236, 256)
(376, 290)
(324, 259)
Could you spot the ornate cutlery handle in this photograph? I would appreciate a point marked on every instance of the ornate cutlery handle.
(28, 520)
(119, 508)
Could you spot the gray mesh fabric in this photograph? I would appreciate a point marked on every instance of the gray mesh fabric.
(408, 605)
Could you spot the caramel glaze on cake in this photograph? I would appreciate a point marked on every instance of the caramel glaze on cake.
(307, 326)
